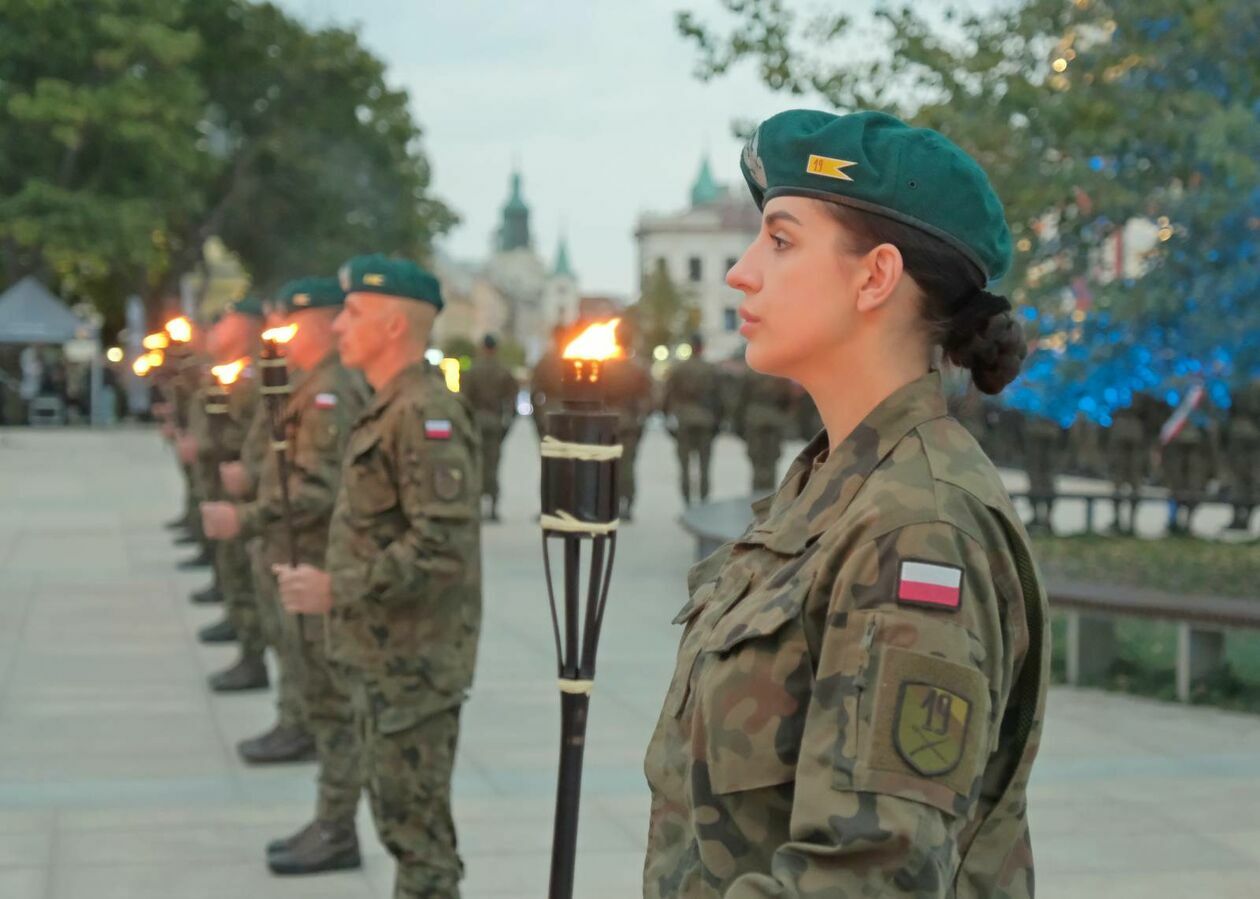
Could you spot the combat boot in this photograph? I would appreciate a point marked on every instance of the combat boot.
(206, 596)
(219, 632)
(249, 673)
(202, 560)
(177, 524)
(187, 538)
(281, 744)
(284, 844)
(322, 847)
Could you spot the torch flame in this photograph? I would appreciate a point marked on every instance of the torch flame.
(280, 335)
(156, 341)
(598, 342)
(155, 357)
(141, 366)
(180, 329)
(228, 373)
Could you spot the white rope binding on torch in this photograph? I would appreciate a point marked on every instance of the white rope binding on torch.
(581, 452)
(580, 687)
(565, 522)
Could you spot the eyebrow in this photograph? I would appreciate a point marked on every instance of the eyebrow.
(780, 215)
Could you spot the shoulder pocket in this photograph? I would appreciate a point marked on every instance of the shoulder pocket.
(914, 723)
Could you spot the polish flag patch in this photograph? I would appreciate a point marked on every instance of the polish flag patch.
(325, 401)
(925, 584)
(437, 429)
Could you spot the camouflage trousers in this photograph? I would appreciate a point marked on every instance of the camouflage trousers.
(408, 758)
(281, 639)
(235, 577)
(695, 441)
(329, 712)
(491, 451)
(765, 445)
(629, 454)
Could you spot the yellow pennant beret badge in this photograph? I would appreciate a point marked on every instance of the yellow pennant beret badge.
(374, 280)
(828, 167)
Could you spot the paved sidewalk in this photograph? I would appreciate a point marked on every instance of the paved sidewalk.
(119, 779)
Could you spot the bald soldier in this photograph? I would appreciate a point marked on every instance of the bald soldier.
(401, 584)
(491, 392)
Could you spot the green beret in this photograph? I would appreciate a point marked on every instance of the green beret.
(247, 305)
(393, 277)
(310, 293)
(877, 163)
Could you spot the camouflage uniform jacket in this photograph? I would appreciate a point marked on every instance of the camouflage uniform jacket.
(404, 547)
(763, 402)
(491, 392)
(221, 438)
(628, 392)
(861, 681)
(317, 419)
(692, 394)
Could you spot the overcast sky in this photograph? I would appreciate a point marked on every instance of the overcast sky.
(594, 98)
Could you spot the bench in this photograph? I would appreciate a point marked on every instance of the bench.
(1091, 608)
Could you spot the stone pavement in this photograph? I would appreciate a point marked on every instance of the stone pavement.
(119, 779)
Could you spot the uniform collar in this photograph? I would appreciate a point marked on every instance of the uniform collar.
(809, 501)
(416, 373)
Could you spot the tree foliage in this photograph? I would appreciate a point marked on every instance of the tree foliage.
(130, 136)
(1087, 114)
(664, 314)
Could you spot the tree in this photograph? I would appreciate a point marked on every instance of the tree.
(664, 314)
(131, 136)
(1086, 114)
(97, 141)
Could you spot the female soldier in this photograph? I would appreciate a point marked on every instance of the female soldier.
(861, 679)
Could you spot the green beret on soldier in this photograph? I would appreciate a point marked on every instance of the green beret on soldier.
(401, 583)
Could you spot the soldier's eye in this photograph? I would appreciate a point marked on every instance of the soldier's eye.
(779, 242)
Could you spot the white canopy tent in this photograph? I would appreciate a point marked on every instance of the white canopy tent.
(31, 314)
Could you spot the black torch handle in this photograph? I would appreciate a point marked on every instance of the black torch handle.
(573, 709)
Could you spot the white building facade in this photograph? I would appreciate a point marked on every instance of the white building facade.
(698, 246)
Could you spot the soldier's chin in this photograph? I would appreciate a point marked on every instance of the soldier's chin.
(763, 359)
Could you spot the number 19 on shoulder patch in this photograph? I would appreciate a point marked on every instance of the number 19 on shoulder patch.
(925, 584)
(931, 728)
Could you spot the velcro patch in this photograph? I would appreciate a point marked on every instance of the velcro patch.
(930, 584)
(437, 429)
(325, 401)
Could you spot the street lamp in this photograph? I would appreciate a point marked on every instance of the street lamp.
(579, 504)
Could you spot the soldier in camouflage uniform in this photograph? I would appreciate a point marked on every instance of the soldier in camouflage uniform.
(693, 399)
(491, 392)
(1242, 454)
(1185, 467)
(763, 419)
(234, 339)
(628, 393)
(861, 678)
(324, 402)
(544, 383)
(1042, 439)
(402, 583)
(1128, 448)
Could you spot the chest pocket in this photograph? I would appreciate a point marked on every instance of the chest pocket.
(752, 689)
(704, 604)
(370, 488)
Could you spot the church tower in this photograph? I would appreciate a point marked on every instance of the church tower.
(514, 229)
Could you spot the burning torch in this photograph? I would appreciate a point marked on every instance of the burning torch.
(275, 392)
(579, 505)
(222, 377)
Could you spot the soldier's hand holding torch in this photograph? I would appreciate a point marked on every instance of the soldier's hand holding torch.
(304, 589)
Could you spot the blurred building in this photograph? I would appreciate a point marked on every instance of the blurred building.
(698, 245)
(513, 293)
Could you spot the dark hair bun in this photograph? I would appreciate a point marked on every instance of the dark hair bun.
(994, 351)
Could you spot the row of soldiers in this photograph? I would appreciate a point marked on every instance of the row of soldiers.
(698, 400)
(341, 510)
(1209, 456)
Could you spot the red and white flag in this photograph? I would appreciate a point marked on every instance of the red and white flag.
(437, 429)
(325, 401)
(921, 583)
(1177, 421)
